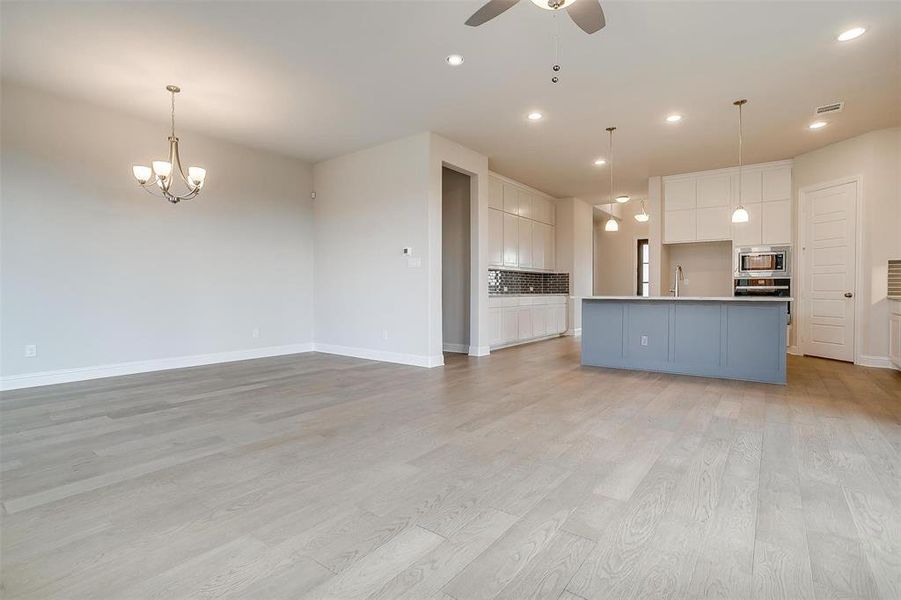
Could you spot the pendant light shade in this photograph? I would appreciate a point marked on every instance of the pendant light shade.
(643, 216)
(740, 215)
(611, 225)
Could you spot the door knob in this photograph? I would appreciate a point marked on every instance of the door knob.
(849, 295)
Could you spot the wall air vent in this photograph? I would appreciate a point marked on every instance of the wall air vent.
(829, 108)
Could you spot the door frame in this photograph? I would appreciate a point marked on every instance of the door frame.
(801, 261)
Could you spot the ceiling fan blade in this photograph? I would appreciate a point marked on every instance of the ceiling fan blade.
(491, 9)
(588, 15)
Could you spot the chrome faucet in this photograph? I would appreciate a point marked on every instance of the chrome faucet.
(677, 277)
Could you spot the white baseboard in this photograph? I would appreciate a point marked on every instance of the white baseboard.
(882, 362)
(794, 350)
(416, 360)
(479, 350)
(27, 380)
(574, 332)
(457, 348)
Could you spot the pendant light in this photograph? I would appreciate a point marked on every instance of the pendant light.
(611, 224)
(157, 180)
(643, 216)
(741, 213)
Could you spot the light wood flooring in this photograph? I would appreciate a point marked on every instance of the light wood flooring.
(517, 476)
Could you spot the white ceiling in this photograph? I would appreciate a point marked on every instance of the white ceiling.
(318, 79)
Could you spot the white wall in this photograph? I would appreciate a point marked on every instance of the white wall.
(573, 252)
(371, 300)
(876, 158)
(706, 266)
(616, 253)
(95, 272)
(455, 260)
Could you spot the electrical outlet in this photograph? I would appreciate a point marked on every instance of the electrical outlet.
(385, 334)
(256, 332)
(31, 350)
(644, 340)
(505, 288)
(531, 289)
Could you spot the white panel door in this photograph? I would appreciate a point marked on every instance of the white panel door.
(495, 193)
(680, 226)
(524, 322)
(540, 320)
(679, 194)
(525, 242)
(495, 332)
(495, 237)
(511, 240)
(714, 190)
(777, 222)
(509, 325)
(511, 199)
(525, 205)
(748, 234)
(777, 184)
(549, 248)
(714, 223)
(829, 271)
(539, 232)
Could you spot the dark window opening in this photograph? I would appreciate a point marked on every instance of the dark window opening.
(644, 269)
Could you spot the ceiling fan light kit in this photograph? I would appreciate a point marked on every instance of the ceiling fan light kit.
(587, 14)
(157, 179)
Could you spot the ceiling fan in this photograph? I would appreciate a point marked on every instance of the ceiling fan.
(587, 14)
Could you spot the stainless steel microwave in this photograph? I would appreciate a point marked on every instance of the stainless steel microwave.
(763, 261)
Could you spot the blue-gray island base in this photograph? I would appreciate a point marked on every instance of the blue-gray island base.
(729, 338)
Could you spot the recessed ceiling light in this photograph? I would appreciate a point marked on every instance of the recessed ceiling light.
(674, 118)
(817, 125)
(622, 199)
(535, 116)
(600, 162)
(854, 32)
(454, 60)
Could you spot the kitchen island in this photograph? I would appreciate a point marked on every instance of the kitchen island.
(726, 337)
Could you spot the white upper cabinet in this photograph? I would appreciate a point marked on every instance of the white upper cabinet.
(749, 234)
(511, 199)
(777, 184)
(714, 224)
(751, 186)
(714, 190)
(495, 237)
(776, 223)
(524, 204)
(680, 226)
(495, 193)
(520, 226)
(698, 206)
(680, 194)
(525, 243)
(511, 240)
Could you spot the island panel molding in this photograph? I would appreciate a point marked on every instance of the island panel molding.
(727, 338)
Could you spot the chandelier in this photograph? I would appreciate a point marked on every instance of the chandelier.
(157, 181)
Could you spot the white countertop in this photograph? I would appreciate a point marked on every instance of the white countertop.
(690, 298)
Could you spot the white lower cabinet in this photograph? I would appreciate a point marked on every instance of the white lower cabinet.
(517, 319)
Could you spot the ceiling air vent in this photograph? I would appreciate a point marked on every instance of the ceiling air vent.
(829, 108)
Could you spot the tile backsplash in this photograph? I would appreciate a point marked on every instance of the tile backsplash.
(519, 282)
(894, 278)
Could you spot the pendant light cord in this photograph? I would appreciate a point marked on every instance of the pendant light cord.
(740, 163)
(611, 130)
(173, 112)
